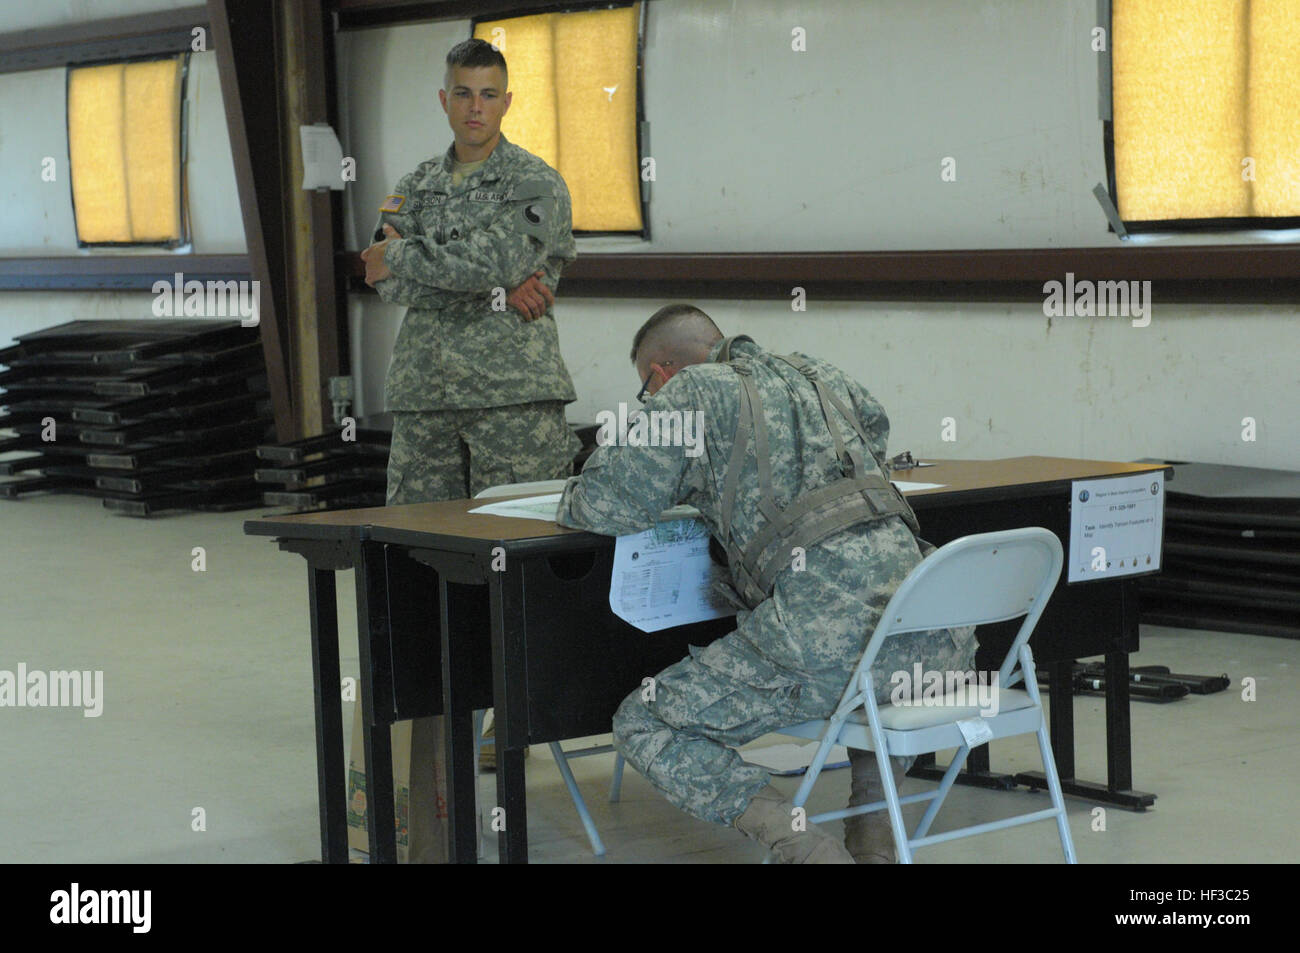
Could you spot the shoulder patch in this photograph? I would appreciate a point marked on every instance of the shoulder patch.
(393, 203)
(535, 217)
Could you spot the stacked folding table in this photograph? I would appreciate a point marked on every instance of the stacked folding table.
(1231, 552)
(343, 468)
(146, 415)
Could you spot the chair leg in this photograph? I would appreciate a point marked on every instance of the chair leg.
(562, 763)
(891, 798)
(1054, 788)
(616, 782)
(887, 782)
(815, 769)
(945, 784)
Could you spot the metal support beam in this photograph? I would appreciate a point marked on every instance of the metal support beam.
(319, 299)
(116, 273)
(159, 33)
(244, 37)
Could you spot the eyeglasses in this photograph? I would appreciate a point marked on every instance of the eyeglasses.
(640, 395)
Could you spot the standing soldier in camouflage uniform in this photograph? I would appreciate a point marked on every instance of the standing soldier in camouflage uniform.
(799, 637)
(477, 390)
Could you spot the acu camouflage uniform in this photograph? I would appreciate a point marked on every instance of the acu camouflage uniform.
(477, 394)
(793, 654)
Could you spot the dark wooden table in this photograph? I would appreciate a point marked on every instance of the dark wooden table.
(556, 662)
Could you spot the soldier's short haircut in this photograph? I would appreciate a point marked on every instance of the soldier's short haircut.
(671, 320)
(474, 53)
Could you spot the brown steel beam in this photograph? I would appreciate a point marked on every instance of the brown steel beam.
(116, 273)
(321, 297)
(244, 38)
(1189, 273)
(361, 14)
(166, 31)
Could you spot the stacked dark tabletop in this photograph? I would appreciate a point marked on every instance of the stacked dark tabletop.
(147, 415)
(1231, 552)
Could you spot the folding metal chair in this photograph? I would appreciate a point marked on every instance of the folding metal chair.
(990, 577)
(561, 756)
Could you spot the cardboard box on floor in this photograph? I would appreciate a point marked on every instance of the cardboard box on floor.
(419, 790)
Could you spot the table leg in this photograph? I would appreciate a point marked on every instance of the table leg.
(1119, 753)
(1061, 716)
(1116, 790)
(458, 717)
(330, 783)
(376, 697)
(379, 793)
(510, 816)
(1119, 764)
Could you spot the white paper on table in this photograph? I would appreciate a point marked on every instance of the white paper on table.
(1116, 526)
(322, 158)
(524, 507)
(663, 577)
(543, 508)
(904, 486)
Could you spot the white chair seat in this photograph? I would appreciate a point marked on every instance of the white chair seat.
(912, 717)
(923, 729)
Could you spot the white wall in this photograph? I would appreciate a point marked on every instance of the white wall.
(1015, 385)
(759, 148)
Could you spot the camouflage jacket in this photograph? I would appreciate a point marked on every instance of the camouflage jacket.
(820, 613)
(462, 249)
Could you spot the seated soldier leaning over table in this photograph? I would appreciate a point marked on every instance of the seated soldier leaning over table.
(799, 634)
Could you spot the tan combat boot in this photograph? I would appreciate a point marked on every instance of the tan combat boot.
(769, 819)
(868, 837)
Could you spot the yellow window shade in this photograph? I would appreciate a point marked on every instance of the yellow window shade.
(124, 149)
(573, 79)
(1179, 108)
(1273, 138)
(1206, 108)
(527, 43)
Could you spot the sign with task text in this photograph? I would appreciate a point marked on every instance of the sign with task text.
(1116, 526)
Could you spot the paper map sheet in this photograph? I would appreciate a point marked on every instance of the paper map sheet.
(663, 577)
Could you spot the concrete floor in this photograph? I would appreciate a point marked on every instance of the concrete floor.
(208, 704)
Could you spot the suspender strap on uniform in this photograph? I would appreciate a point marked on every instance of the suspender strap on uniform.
(870, 489)
(850, 461)
(724, 355)
(841, 512)
(738, 447)
(908, 515)
(856, 498)
(767, 501)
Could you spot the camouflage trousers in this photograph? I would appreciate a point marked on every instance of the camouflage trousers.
(681, 735)
(453, 454)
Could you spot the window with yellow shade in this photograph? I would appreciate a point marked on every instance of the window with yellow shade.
(574, 82)
(1206, 111)
(125, 152)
